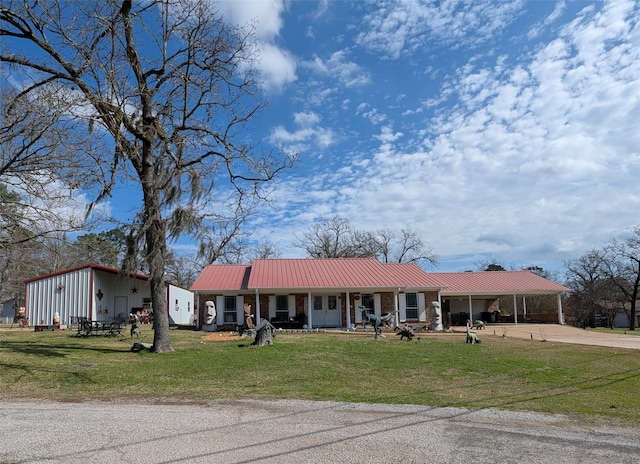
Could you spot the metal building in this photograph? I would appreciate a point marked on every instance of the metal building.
(99, 293)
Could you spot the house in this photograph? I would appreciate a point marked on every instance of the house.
(99, 293)
(315, 293)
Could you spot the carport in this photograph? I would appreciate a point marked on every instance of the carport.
(474, 291)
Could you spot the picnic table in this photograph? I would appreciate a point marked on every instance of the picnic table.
(87, 328)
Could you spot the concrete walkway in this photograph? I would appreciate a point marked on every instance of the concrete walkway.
(560, 333)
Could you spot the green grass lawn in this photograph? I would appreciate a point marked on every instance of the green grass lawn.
(619, 331)
(598, 384)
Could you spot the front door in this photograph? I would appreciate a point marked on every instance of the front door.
(326, 311)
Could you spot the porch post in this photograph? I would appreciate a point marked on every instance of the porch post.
(515, 309)
(396, 307)
(524, 306)
(560, 321)
(309, 311)
(347, 306)
(470, 310)
(257, 307)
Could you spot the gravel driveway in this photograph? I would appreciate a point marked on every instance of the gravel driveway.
(298, 432)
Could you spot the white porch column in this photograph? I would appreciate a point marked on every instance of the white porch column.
(309, 312)
(560, 320)
(257, 307)
(524, 306)
(515, 309)
(396, 305)
(470, 310)
(347, 306)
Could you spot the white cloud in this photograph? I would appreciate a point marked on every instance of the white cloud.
(308, 132)
(277, 64)
(394, 27)
(339, 68)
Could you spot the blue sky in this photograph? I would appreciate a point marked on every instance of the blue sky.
(497, 131)
(506, 131)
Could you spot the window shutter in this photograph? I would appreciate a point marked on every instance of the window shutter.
(402, 299)
(272, 306)
(292, 306)
(240, 309)
(219, 310)
(422, 310)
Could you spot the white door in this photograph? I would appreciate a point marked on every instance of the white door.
(326, 311)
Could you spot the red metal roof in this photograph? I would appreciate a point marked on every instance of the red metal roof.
(222, 277)
(343, 273)
(497, 282)
(337, 273)
(366, 273)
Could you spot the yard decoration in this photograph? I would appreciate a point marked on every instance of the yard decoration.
(138, 347)
(436, 316)
(471, 337)
(265, 333)
(407, 331)
(479, 324)
(375, 320)
(209, 317)
(135, 330)
(247, 326)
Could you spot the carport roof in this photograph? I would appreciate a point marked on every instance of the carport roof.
(497, 283)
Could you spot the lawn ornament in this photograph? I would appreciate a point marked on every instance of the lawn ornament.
(247, 326)
(138, 347)
(135, 330)
(21, 318)
(471, 337)
(209, 316)
(407, 331)
(265, 333)
(479, 324)
(375, 320)
(436, 317)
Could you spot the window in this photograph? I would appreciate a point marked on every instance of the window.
(411, 300)
(317, 303)
(230, 313)
(367, 301)
(282, 308)
(332, 301)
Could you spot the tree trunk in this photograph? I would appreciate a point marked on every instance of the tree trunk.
(155, 235)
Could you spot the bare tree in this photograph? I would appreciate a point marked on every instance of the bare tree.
(622, 268)
(265, 250)
(406, 247)
(592, 291)
(165, 88)
(337, 238)
(37, 185)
